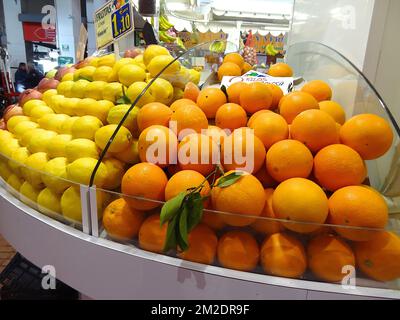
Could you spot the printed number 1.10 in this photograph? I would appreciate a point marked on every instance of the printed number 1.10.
(125, 24)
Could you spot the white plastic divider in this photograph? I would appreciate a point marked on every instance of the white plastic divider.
(85, 207)
(93, 211)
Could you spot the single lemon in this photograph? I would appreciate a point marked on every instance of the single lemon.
(69, 106)
(56, 103)
(22, 127)
(153, 51)
(68, 77)
(26, 137)
(29, 193)
(81, 148)
(52, 122)
(40, 141)
(131, 73)
(122, 62)
(85, 127)
(101, 110)
(95, 89)
(81, 170)
(130, 155)
(178, 94)
(7, 147)
(160, 63)
(34, 166)
(5, 171)
(29, 105)
(87, 73)
(14, 182)
(116, 114)
(78, 89)
(40, 111)
(64, 88)
(84, 105)
(56, 146)
(48, 94)
(4, 134)
(71, 204)
(67, 125)
(94, 61)
(49, 202)
(162, 91)
(138, 60)
(12, 122)
(18, 158)
(113, 91)
(115, 172)
(107, 60)
(135, 90)
(121, 141)
(194, 76)
(102, 73)
(54, 175)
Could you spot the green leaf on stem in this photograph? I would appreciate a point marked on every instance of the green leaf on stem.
(230, 179)
(182, 237)
(171, 208)
(170, 241)
(196, 210)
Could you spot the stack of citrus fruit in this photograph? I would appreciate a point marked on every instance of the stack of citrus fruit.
(298, 164)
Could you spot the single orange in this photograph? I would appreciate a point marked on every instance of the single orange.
(235, 58)
(185, 180)
(283, 255)
(158, 144)
(217, 134)
(202, 245)
(234, 91)
(291, 105)
(360, 207)
(121, 221)
(300, 200)
(339, 166)
(277, 94)
(256, 97)
(328, 255)
(238, 250)
(243, 150)
(245, 199)
(154, 113)
(335, 110)
(379, 258)
(270, 128)
(191, 91)
(254, 116)
(188, 120)
(315, 129)
(246, 67)
(229, 69)
(319, 89)
(288, 159)
(144, 180)
(152, 235)
(198, 152)
(262, 224)
(370, 135)
(209, 100)
(280, 70)
(181, 103)
(265, 178)
(231, 116)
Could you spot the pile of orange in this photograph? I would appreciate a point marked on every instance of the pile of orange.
(303, 166)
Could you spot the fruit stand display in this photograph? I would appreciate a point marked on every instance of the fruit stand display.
(247, 182)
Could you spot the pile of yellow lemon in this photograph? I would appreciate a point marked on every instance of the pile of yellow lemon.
(62, 135)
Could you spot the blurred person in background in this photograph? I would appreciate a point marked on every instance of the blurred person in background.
(34, 76)
(20, 77)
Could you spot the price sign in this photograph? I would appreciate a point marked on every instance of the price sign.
(113, 21)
